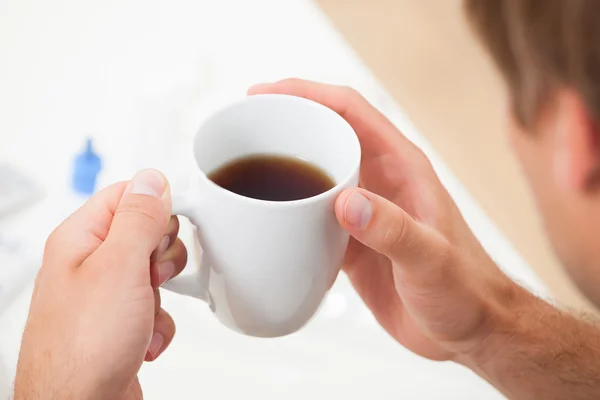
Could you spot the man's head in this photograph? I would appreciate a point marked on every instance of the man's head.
(548, 52)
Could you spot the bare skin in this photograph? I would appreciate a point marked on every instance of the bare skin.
(95, 314)
(427, 280)
(412, 259)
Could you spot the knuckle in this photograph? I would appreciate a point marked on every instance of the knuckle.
(142, 221)
(395, 234)
(447, 257)
(350, 91)
(53, 240)
(176, 253)
(157, 301)
(351, 95)
(167, 320)
(352, 100)
(173, 225)
(143, 213)
(180, 254)
(423, 160)
(184, 255)
(291, 81)
(446, 263)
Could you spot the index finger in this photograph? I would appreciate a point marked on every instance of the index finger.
(373, 129)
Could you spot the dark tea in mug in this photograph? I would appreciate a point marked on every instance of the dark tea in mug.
(272, 178)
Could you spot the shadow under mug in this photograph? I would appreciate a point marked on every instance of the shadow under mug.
(266, 266)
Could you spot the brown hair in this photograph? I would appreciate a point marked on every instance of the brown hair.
(540, 45)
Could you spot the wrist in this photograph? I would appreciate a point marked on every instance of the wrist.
(535, 350)
(505, 303)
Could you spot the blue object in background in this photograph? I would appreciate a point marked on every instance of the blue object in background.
(87, 167)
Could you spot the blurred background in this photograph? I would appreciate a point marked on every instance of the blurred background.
(138, 76)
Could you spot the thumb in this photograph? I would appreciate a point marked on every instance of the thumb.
(141, 216)
(389, 230)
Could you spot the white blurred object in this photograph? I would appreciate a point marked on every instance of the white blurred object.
(16, 270)
(334, 306)
(16, 190)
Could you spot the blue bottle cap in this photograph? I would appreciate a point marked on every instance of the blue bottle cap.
(86, 169)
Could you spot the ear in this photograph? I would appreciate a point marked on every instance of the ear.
(576, 144)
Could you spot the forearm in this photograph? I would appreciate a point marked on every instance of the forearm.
(33, 385)
(536, 351)
(45, 375)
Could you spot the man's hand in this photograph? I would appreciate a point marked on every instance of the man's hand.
(428, 281)
(95, 313)
(413, 259)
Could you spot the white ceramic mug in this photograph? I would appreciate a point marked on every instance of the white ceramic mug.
(266, 266)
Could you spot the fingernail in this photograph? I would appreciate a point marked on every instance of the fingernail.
(162, 247)
(156, 344)
(166, 269)
(358, 210)
(149, 182)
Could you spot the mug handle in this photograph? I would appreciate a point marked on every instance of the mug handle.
(195, 283)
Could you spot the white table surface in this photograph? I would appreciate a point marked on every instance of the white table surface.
(139, 76)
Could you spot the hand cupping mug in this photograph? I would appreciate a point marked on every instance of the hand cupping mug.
(269, 170)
